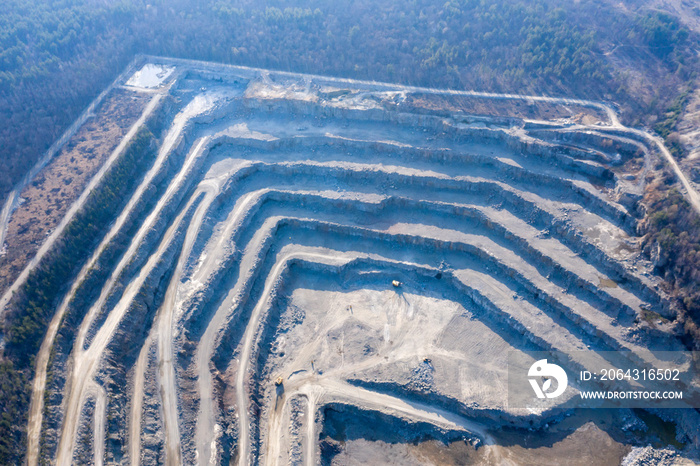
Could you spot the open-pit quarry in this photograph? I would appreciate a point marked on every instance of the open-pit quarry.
(320, 270)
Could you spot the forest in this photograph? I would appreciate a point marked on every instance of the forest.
(57, 55)
(30, 310)
(672, 239)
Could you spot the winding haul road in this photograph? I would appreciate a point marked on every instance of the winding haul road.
(42, 358)
(185, 227)
(13, 198)
(691, 193)
(164, 331)
(249, 336)
(104, 335)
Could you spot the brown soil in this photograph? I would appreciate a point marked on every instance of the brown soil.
(60, 183)
(587, 446)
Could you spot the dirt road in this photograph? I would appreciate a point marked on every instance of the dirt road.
(85, 360)
(38, 386)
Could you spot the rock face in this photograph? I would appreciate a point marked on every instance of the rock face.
(648, 456)
(305, 244)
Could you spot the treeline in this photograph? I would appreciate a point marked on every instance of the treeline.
(673, 242)
(33, 307)
(56, 55)
(14, 401)
(665, 36)
(666, 126)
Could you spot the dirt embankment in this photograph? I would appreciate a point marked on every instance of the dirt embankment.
(48, 197)
(231, 322)
(505, 108)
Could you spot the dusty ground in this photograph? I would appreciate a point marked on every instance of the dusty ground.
(257, 291)
(586, 446)
(46, 200)
(506, 108)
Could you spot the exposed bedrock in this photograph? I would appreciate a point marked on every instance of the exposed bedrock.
(477, 298)
(610, 148)
(308, 252)
(626, 280)
(439, 131)
(464, 219)
(342, 422)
